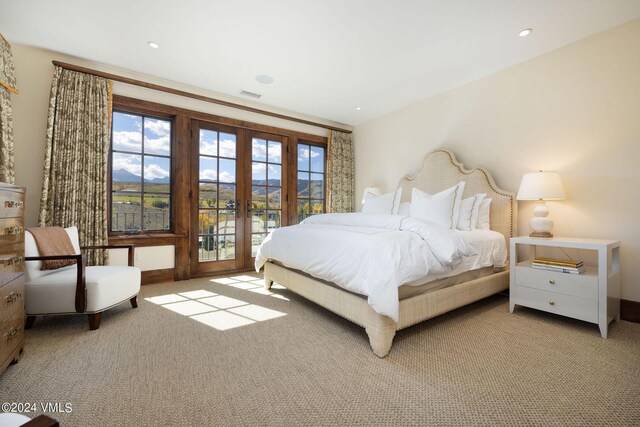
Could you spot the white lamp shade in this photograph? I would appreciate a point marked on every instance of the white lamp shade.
(541, 186)
(373, 191)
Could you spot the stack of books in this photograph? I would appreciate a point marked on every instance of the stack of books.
(557, 264)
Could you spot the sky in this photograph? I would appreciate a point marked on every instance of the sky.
(266, 155)
(127, 136)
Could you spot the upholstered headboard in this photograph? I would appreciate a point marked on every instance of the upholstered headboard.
(441, 170)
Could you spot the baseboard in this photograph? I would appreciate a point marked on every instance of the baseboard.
(157, 276)
(630, 310)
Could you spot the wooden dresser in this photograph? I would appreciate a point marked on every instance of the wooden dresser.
(12, 315)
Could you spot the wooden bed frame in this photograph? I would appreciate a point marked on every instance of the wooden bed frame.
(440, 170)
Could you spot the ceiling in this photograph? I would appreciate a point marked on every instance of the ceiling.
(327, 57)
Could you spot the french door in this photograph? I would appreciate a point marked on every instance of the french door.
(267, 197)
(238, 194)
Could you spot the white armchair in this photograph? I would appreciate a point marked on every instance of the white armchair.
(77, 288)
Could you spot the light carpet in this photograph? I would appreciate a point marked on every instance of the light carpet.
(287, 362)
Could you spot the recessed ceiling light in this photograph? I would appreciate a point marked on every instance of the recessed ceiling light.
(264, 79)
(153, 45)
(525, 32)
(358, 108)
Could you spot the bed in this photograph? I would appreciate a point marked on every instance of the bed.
(439, 170)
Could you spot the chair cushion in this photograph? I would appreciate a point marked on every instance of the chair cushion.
(33, 268)
(106, 286)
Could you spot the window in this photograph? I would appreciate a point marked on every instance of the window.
(311, 180)
(217, 196)
(266, 189)
(140, 172)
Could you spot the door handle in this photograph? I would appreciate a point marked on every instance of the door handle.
(248, 207)
(238, 213)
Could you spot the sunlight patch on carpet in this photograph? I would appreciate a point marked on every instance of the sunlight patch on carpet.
(188, 308)
(219, 311)
(222, 320)
(251, 284)
(166, 299)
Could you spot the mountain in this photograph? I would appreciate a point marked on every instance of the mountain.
(122, 175)
(272, 182)
(158, 180)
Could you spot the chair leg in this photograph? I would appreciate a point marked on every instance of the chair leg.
(94, 321)
(134, 301)
(30, 321)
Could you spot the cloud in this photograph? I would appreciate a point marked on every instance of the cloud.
(158, 145)
(227, 177)
(304, 153)
(157, 138)
(160, 127)
(275, 156)
(258, 168)
(209, 148)
(274, 171)
(259, 150)
(212, 175)
(227, 148)
(126, 162)
(155, 172)
(127, 141)
(208, 175)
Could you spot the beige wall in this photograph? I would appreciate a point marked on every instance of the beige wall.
(575, 110)
(34, 71)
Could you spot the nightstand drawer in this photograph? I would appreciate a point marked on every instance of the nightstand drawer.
(566, 305)
(580, 285)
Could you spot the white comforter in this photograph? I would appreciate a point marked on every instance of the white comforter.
(371, 255)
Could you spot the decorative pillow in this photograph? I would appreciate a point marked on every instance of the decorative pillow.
(439, 208)
(483, 222)
(404, 209)
(468, 215)
(385, 204)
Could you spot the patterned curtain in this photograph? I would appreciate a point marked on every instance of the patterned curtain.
(74, 188)
(7, 86)
(341, 168)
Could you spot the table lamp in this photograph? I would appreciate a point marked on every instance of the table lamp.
(541, 186)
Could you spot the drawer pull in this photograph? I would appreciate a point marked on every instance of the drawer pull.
(13, 204)
(552, 303)
(12, 334)
(13, 297)
(552, 282)
(13, 230)
(16, 260)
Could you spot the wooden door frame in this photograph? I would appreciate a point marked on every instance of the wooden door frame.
(212, 267)
(182, 204)
(284, 185)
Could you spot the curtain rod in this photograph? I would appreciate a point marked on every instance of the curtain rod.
(186, 94)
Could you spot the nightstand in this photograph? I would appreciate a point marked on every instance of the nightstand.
(593, 296)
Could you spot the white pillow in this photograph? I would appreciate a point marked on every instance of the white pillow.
(404, 209)
(385, 204)
(440, 208)
(456, 206)
(483, 222)
(468, 215)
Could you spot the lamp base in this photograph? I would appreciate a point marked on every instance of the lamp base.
(541, 234)
(541, 225)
